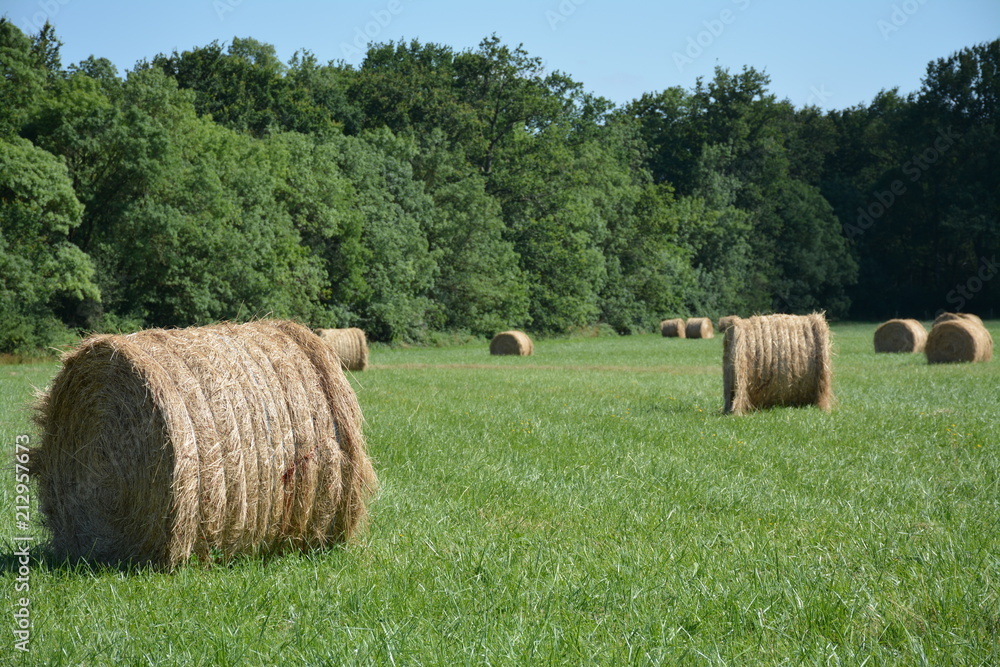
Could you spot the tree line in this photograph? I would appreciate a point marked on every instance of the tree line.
(432, 190)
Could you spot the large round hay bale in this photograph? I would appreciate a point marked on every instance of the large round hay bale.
(727, 321)
(951, 317)
(351, 346)
(772, 360)
(900, 336)
(673, 328)
(957, 341)
(699, 327)
(227, 440)
(512, 342)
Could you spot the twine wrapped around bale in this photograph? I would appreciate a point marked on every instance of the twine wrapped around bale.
(232, 439)
(699, 327)
(772, 360)
(951, 317)
(351, 345)
(900, 336)
(673, 328)
(727, 321)
(512, 342)
(960, 340)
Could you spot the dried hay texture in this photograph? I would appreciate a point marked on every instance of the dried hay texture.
(232, 439)
(900, 336)
(727, 321)
(958, 341)
(672, 328)
(951, 317)
(699, 327)
(771, 360)
(512, 342)
(351, 346)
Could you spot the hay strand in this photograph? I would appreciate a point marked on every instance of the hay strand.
(673, 328)
(772, 360)
(699, 327)
(961, 340)
(233, 439)
(900, 336)
(512, 343)
(351, 345)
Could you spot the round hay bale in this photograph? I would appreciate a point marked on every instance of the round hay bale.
(351, 346)
(958, 341)
(772, 360)
(727, 321)
(227, 439)
(951, 317)
(672, 328)
(512, 342)
(900, 336)
(699, 327)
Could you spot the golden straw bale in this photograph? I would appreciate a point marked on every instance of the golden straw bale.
(512, 342)
(771, 360)
(900, 336)
(673, 328)
(727, 321)
(229, 439)
(951, 317)
(957, 341)
(351, 345)
(699, 327)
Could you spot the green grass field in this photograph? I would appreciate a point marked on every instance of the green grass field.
(590, 505)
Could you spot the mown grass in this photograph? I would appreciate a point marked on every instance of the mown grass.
(589, 505)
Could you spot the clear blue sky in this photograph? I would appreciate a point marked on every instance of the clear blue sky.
(831, 53)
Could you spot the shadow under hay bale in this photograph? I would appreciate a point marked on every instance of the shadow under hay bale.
(952, 317)
(726, 322)
(699, 327)
(955, 341)
(351, 345)
(774, 360)
(512, 343)
(227, 439)
(672, 328)
(900, 336)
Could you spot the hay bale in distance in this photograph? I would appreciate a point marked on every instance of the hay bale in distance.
(959, 340)
(951, 317)
(232, 439)
(699, 327)
(673, 328)
(900, 336)
(512, 342)
(727, 321)
(351, 345)
(772, 360)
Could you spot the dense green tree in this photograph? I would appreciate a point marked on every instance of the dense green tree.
(41, 271)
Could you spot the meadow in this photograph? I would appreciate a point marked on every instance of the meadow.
(591, 505)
